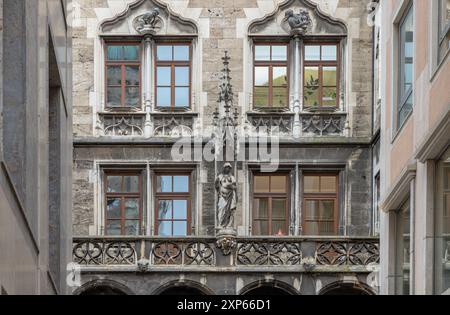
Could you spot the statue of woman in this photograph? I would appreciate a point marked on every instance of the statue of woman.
(226, 188)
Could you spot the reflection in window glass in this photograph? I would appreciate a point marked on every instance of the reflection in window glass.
(312, 52)
(262, 53)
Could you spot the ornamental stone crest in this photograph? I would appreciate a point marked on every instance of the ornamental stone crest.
(298, 22)
(149, 23)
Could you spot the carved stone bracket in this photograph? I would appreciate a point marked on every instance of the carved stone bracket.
(323, 124)
(174, 125)
(121, 124)
(226, 243)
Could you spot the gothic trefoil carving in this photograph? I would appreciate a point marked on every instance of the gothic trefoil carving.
(298, 22)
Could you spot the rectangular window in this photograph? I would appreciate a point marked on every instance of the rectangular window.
(173, 76)
(444, 28)
(173, 205)
(404, 249)
(271, 205)
(320, 204)
(123, 75)
(321, 75)
(271, 89)
(123, 200)
(406, 66)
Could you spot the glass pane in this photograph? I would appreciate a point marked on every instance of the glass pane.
(261, 228)
(280, 76)
(115, 53)
(182, 76)
(261, 208)
(312, 184)
(312, 76)
(113, 208)
(328, 184)
(114, 75)
(113, 228)
(329, 96)
(181, 97)
(262, 184)
(261, 96)
(164, 97)
(164, 53)
(311, 96)
(132, 96)
(311, 228)
(132, 209)
(114, 184)
(278, 184)
(165, 228)
(181, 53)
(329, 53)
(262, 53)
(132, 76)
(165, 210)
(114, 96)
(262, 76)
(279, 228)
(279, 209)
(164, 75)
(181, 184)
(405, 111)
(329, 76)
(131, 53)
(312, 52)
(180, 228)
(180, 209)
(326, 210)
(280, 97)
(164, 184)
(132, 227)
(407, 52)
(279, 53)
(312, 210)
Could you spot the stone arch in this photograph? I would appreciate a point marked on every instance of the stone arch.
(272, 287)
(186, 287)
(275, 22)
(347, 288)
(103, 287)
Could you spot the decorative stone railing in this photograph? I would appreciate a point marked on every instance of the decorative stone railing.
(270, 123)
(303, 254)
(173, 125)
(121, 124)
(323, 123)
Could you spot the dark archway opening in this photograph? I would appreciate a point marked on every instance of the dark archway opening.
(268, 289)
(103, 290)
(181, 290)
(346, 289)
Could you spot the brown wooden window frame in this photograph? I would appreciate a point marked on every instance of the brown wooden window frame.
(271, 64)
(172, 196)
(321, 197)
(270, 196)
(123, 196)
(172, 64)
(322, 64)
(123, 64)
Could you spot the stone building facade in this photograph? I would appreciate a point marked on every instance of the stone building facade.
(298, 74)
(415, 141)
(35, 146)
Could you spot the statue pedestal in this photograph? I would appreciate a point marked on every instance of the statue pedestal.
(226, 240)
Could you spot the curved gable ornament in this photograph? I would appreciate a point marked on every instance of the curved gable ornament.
(148, 17)
(297, 17)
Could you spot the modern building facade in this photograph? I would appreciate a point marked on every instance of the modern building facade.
(156, 101)
(35, 146)
(415, 224)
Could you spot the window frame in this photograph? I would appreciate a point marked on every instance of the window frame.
(321, 64)
(173, 196)
(123, 64)
(271, 64)
(172, 64)
(321, 197)
(270, 197)
(443, 31)
(123, 196)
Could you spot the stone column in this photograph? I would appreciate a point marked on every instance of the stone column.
(148, 45)
(298, 81)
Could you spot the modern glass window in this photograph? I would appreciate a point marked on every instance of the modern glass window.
(406, 67)
(404, 249)
(444, 28)
(173, 205)
(123, 75)
(123, 200)
(320, 204)
(270, 205)
(173, 76)
(321, 75)
(271, 88)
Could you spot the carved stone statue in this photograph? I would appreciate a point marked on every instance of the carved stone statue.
(298, 22)
(148, 23)
(226, 188)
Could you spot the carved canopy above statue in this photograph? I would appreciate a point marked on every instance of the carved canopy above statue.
(143, 17)
(297, 17)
